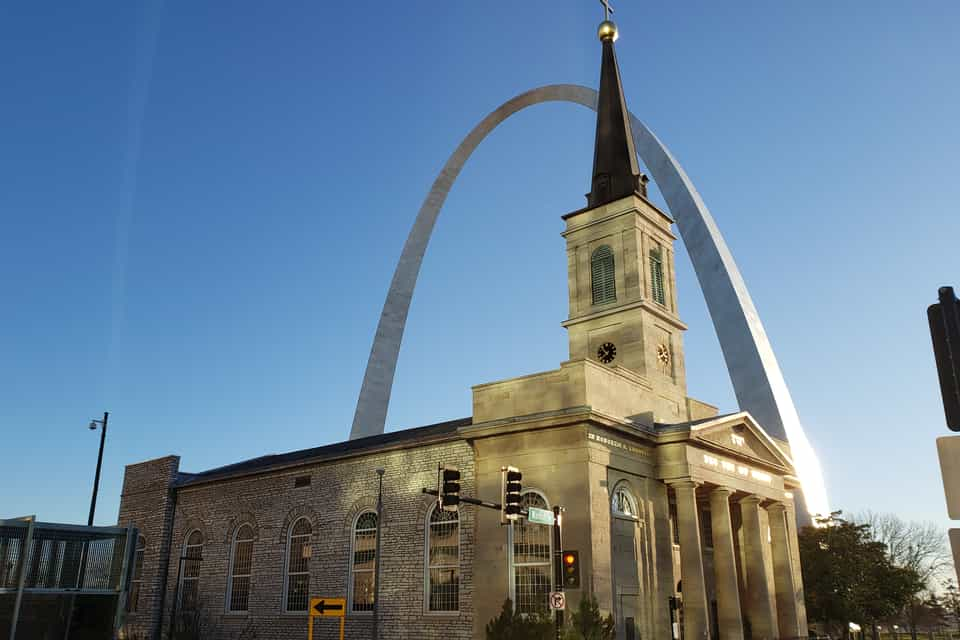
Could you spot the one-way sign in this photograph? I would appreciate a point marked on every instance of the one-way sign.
(328, 607)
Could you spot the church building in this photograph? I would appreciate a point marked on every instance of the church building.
(683, 520)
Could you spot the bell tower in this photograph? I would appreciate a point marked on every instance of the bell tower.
(620, 256)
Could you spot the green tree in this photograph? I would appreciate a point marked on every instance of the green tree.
(951, 602)
(848, 576)
(588, 624)
(510, 625)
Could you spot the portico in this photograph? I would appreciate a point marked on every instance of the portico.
(735, 542)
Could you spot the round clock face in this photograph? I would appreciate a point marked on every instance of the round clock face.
(663, 354)
(606, 353)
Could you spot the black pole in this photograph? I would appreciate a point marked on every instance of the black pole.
(558, 562)
(376, 570)
(96, 479)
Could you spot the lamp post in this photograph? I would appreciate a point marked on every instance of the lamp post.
(96, 479)
(376, 570)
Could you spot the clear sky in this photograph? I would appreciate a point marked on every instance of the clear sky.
(202, 205)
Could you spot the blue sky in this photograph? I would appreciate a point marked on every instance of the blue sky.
(203, 204)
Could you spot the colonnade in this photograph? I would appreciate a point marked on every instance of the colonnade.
(771, 615)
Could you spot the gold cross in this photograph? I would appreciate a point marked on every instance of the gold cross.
(607, 9)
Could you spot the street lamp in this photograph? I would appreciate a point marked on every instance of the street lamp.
(376, 574)
(96, 480)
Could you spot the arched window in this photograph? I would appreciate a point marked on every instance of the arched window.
(364, 563)
(623, 503)
(656, 276)
(531, 547)
(602, 276)
(190, 571)
(136, 577)
(443, 560)
(241, 564)
(297, 588)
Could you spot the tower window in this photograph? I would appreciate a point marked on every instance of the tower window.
(656, 276)
(602, 275)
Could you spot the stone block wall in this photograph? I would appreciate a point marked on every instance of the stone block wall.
(338, 492)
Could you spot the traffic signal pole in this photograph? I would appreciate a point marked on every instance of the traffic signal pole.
(558, 561)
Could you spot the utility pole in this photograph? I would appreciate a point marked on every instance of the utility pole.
(96, 478)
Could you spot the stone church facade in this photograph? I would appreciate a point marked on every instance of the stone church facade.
(665, 500)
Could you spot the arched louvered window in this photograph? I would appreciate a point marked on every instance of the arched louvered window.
(297, 587)
(623, 503)
(241, 565)
(364, 562)
(190, 571)
(531, 548)
(443, 560)
(136, 578)
(602, 275)
(656, 276)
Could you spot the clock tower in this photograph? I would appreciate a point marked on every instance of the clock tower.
(620, 256)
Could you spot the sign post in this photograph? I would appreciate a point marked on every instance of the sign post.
(557, 597)
(327, 608)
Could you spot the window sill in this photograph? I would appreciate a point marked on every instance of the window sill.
(296, 614)
(441, 614)
(236, 614)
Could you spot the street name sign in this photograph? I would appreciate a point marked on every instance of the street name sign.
(540, 516)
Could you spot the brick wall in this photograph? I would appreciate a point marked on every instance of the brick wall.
(147, 502)
(338, 492)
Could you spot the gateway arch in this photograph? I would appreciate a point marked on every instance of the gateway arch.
(757, 380)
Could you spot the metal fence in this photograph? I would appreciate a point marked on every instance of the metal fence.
(49, 559)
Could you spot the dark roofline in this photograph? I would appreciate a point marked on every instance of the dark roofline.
(406, 437)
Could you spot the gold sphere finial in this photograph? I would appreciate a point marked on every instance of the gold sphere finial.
(608, 31)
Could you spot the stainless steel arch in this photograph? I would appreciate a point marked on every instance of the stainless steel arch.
(757, 380)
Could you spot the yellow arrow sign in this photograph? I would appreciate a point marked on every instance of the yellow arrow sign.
(327, 608)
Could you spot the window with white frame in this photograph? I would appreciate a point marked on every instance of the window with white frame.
(190, 571)
(136, 577)
(364, 564)
(241, 565)
(297, 587)
(623, 504)
(443, 560)
(532, 560)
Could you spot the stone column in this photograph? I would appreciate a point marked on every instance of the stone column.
(788, 618)
(763, 619)
(696, 624)
(725, 566)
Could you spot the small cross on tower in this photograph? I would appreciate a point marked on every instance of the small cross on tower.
(607, 9)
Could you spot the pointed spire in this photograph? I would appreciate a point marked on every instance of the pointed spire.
(616, 173)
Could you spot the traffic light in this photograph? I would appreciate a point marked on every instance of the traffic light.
(944, 320)
(510, 493)
(449, 492)
(571, 569)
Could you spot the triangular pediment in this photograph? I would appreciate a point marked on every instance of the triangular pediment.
(740, 435)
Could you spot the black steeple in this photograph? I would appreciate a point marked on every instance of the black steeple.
(615, 170)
